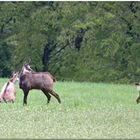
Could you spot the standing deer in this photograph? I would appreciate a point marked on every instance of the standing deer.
(8, 93)
(29, 80)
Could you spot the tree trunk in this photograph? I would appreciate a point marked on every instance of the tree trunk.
(46, 58)
(47, 55)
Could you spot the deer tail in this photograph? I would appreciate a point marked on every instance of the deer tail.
(54, 79)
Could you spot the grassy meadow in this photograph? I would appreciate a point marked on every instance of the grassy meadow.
(88, 110)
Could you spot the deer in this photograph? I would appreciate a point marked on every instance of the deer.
(29, 79)
(8, 92)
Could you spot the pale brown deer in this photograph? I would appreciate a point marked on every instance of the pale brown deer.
(8, 93)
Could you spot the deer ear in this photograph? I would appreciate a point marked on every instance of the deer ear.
(17, 73)
(13, 73)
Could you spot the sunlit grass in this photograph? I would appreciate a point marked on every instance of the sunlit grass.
(88, 110)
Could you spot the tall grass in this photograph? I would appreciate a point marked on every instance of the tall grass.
(88, 110)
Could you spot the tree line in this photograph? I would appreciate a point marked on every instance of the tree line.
(82, 41)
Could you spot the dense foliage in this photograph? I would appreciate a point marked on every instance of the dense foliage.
(84, 41)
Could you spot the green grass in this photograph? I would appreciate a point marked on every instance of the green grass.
(88, 110)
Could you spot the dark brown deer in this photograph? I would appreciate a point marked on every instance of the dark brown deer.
(28, 80)
(8, 93)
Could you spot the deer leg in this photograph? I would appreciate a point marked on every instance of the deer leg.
(25, 97)
(47, 95)
(54, 94)
(4, 100)
(138, 98)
